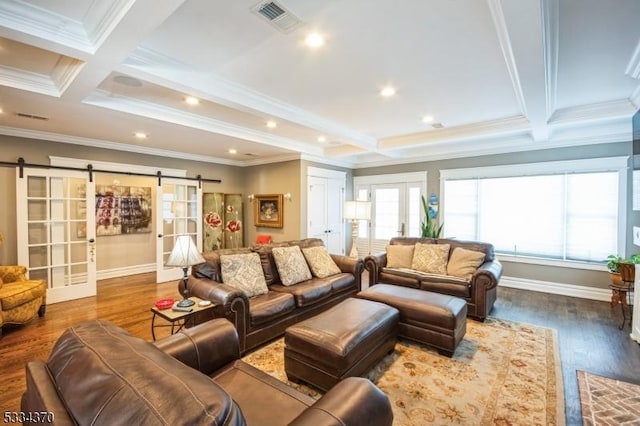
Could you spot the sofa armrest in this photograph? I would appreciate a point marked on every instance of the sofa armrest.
(41, 394)
(350, 265)
(487, 275)
(230, 302)
(205, 347)
(367, 405)
(373, 263)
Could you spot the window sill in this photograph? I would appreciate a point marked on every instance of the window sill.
(550, 262)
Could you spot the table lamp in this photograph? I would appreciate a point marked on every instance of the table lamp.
(356, 211)
(185, 254)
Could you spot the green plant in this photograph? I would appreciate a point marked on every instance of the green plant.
(613, 260)
(429, 227)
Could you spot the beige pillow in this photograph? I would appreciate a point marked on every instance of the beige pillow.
(244, 272)
(320, 261)
(463, 262)
(399, 256)
(291, 265)
(430, 258)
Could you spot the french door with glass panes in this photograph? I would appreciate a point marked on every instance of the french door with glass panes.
(56, 231)
(178, 203)
(395, 212)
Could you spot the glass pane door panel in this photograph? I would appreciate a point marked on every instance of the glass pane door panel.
(38, 256)
(78, 253)
(387, 213)
(36, 186)
(37, 209)
(37, 233)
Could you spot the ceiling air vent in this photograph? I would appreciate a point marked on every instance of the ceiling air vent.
(437, 125)
(277, 15)
(31, 116)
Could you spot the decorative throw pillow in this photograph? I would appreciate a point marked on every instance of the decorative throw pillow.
(463, 262)
(244, 272)
(291, 265)
(320, 261)
(399, 256)
(430, 258)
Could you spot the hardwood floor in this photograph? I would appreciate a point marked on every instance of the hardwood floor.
(588, 332)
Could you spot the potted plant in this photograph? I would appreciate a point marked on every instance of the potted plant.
(429, 227)
(619, 266)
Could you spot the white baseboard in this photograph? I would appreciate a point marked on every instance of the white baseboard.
(125, 271)
(570, 290)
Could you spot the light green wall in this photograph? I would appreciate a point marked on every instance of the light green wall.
(579, 277)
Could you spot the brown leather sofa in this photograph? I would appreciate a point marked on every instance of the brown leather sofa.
(99, 374)
(479, 291)
(262, 318)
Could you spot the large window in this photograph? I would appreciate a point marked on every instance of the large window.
(569, 211)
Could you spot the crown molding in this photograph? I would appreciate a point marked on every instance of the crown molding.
(157, 112)
(217, 89)
(102, 18)
(500, 127)
(635, 97)
(495, 8)
(633, 68)
(116, 146)
(602, 111)
(28, 80)
(551, 39)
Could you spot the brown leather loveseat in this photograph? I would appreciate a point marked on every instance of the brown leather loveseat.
(478, 288)
(264, 317)
(99, 374)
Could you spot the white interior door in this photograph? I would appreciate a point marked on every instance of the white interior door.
(335, 223)
(56, 231)
(325, 199)
(178, 212)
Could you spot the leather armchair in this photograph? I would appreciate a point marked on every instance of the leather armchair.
(98, 373)
(21, 299)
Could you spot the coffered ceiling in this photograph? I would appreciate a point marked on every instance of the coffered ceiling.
(492, 75)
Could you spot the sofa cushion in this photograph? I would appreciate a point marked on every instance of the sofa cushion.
(268, 262)
(320, 261)
(211, 268)
(244, 272)
(132, 382)
(269, 306)
(463, 263)
(430, 258)
(15, 294)
(308, 292)
(399, 256)
(291, 265)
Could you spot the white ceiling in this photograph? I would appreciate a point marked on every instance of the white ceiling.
(499, 75)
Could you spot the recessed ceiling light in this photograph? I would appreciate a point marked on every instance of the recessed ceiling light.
(140, 135)
(271, 124)
(233, 151)
(322, 139)
(314, 40)
(388, 91)
(427, 119)
(191, 100)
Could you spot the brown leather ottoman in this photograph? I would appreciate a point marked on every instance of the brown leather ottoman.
(434, 319)
(346, 340)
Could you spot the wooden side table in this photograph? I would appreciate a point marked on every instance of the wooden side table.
(621, 295)
(176, 319)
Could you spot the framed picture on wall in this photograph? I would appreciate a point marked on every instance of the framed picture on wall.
(267, 210)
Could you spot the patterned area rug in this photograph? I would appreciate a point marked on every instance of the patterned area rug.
(607, 401)
(502, 373)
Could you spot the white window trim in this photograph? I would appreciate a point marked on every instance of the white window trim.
(392, 178)
(604, 164)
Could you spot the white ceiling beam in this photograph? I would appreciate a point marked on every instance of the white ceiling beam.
(519, 27)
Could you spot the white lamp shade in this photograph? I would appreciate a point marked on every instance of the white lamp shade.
(184, 253)
(357, 210)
